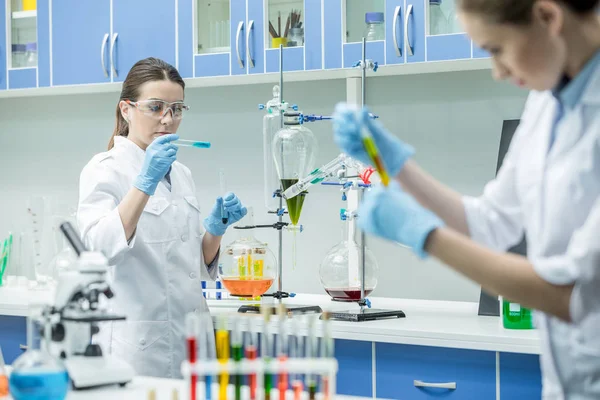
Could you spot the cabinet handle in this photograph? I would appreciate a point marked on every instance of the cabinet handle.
(102, 54)
(237, 43)
(250, 58)
(112, 53)
(23, 347)
(395, 31)
(409, 47)
(449, 385)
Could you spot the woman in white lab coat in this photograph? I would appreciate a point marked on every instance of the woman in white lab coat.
(138, 206)
(548, 188)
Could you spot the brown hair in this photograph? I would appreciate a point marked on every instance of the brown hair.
(146, 70)
(519, 11)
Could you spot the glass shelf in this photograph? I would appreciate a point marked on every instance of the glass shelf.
(442, 18)
(23, 34)
(356, 11)
(212, 26)
(286, 23)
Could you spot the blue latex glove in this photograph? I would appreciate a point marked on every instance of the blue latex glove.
(347, 124)
(235, 211)
(159, 156)
(395, 215)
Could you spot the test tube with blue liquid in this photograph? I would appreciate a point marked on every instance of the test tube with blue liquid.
(192, 143)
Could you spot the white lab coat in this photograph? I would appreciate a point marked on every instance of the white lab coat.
(157, 276)
(553, 198)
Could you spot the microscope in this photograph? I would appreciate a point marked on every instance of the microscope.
(75, 316)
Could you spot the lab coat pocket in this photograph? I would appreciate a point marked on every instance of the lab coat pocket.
(144, 345)
(154, 226)
(193, 216)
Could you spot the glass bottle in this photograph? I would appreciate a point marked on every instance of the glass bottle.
(295, 37)
(247, 267)
(31, 54)
(375, 26)
(294, 150)
(36, 374)
(438, 23)
(340, 270)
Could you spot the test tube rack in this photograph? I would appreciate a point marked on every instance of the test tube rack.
(326, 368)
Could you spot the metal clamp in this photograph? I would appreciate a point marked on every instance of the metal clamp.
(102, 54)
(409, 47)
(448, 385)
(112, 53)
(237, 44)
(250, 58)
(395, 31)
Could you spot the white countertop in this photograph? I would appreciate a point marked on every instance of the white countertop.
(427, 323)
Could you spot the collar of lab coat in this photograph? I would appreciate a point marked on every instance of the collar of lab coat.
(133, 151)
(585, 87)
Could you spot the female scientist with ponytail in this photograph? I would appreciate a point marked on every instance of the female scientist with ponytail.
(138, 206)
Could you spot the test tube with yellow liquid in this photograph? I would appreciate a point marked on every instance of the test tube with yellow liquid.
(374, 156)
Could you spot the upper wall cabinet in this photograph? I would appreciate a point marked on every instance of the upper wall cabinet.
(25, 30)
(446, 39)
(238, 37)
(81, 39)
(142, 28)
(86, 50)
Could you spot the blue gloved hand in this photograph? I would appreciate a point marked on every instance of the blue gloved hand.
(347, 124)
(159, 156)
(395, 215)
(235, 211)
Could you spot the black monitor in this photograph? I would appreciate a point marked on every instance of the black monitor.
(488, 305)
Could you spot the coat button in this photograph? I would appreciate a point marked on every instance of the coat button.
(192, 275)
(142, 341)
(184, 238)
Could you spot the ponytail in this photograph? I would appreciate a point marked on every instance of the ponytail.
(121, 128)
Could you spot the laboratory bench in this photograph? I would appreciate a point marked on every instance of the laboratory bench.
(439, 342)
(140, 387)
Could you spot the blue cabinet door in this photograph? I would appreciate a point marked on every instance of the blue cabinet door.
(80, 36)
(313, 35)
(409, 372)
(12, 335)
(355, 366)
(520, 376)
(414, 30)
(255, 37)
(332, 33)
(43, 33)
(394, 31)
(237, 12)
(142, 28)
(3, 50)
(185, 32)
(448, 47)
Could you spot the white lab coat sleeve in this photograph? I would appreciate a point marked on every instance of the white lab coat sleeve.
(580, 265)
(98, 215)
(208, 272)
(495, 218)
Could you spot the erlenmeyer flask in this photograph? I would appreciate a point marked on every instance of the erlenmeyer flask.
(340, 271)
(247, 266)
(36, 374)
(294, 151)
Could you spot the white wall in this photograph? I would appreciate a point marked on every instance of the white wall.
(454, 121)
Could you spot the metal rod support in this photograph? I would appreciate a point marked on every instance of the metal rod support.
(280, 220)
(363, 237)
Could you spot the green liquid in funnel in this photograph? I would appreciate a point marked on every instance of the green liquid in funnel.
(294, 205)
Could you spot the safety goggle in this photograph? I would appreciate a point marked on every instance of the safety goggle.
(159, 108)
